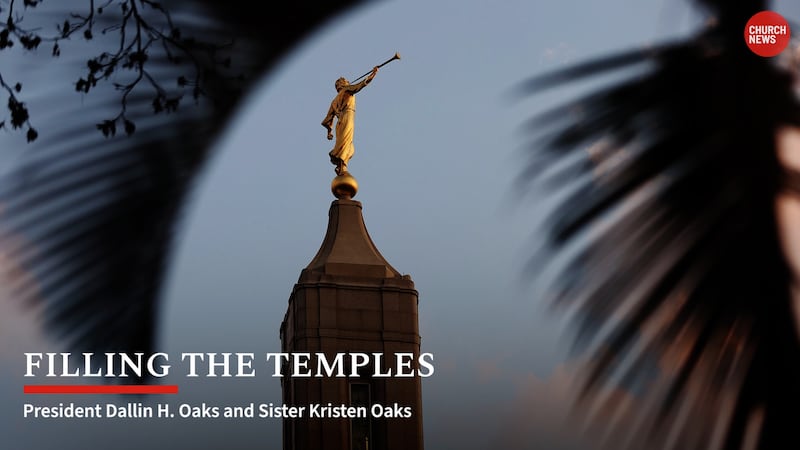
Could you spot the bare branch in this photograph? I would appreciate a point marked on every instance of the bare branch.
(132, 53)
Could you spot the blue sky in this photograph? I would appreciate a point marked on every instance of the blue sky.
(437, 152)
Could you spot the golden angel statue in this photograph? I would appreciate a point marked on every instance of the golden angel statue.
(343, 107)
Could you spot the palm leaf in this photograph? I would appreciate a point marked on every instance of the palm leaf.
(91, 223)
(665, 241)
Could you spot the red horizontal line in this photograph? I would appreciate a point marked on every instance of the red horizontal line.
(99, 389)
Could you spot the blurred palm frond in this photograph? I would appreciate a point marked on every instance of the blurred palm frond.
(666, 238)
(88, 224)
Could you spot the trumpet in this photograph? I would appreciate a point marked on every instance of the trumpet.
(396, 56)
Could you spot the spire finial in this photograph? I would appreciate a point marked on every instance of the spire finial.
(344, 186)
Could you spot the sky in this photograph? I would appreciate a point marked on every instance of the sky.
(437, 151)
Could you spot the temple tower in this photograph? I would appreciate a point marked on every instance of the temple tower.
(350, 299)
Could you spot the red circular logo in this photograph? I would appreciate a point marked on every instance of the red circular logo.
(767, 33)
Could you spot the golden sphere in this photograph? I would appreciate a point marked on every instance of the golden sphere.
(344, 186)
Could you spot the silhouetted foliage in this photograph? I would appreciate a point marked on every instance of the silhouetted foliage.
(666, 239)
(145, 29)
(88, 224)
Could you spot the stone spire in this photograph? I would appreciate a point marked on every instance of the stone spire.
(347, 249)
(350, 299)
